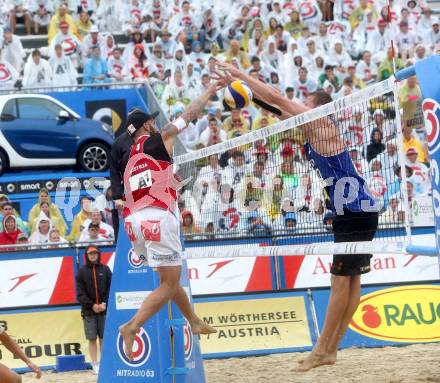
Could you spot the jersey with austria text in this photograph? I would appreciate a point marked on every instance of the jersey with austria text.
(148, 176)
(345, 187)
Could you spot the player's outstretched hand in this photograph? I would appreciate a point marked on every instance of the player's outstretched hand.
(229, 70)
(35, 369)
(220, 81)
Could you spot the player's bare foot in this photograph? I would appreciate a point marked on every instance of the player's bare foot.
(329, 359)
(312, 361)
(199, 327)
(128, 334)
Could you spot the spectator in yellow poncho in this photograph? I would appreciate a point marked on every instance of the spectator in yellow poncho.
(357, 16)
(386, 68)
(235, 125)
(235, 52)
(409, 91)
(263, 119)
(54, 211)
(411, 141)
(61, 15)
(83, 24)
(255, 25)
(80, 218)
(55, 221)
(294, 26)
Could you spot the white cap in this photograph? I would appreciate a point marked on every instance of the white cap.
(94, 28)
(379, 111)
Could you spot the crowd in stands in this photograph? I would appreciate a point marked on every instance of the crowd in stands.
(296, 46)
(174, 44)
(46, 225)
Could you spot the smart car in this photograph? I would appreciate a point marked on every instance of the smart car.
(39, 131)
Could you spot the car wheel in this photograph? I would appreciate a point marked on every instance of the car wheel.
(3, 162)
(94, 157)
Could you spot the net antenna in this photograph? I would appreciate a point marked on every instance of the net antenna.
(240, 209)
(401, 152)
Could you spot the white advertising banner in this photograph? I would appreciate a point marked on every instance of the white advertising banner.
(314, 271)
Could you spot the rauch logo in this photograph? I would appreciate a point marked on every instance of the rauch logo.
(400, 314)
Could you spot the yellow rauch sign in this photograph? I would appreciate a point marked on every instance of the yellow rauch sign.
(44, 335)
(400, 314)
(255, 324)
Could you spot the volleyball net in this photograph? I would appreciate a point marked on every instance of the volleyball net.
(258, 193)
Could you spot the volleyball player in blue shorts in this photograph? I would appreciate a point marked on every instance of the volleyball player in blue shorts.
(355, 211)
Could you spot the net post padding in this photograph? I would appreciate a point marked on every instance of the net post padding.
(371, 91)
(237, 251)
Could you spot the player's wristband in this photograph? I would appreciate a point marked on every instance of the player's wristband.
(180, 124)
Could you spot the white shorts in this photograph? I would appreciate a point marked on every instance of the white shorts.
(155, 234)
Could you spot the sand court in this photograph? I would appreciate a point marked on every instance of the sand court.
(409, 364)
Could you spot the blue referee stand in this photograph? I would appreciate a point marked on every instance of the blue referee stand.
(165, 350)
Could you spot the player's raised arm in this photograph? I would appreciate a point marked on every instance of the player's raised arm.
(266, 93)
(170, 131)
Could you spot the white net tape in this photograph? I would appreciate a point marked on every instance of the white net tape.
(237, 251)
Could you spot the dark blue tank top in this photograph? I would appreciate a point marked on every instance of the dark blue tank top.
(351, 189)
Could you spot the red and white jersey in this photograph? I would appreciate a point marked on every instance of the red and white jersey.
(148, 176)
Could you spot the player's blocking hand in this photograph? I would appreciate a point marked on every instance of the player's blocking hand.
(229, 69)
(221, 80)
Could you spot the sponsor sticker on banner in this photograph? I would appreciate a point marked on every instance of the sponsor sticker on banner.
(401, 314)
(225, 275)
(111, 112)
(255, 324)
(40, 342)
(130, 300)
(413, 113)
(305, 271)
(422, 212)
(30, 282)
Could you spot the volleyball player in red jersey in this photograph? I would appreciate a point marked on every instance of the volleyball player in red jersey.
(151, 214)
